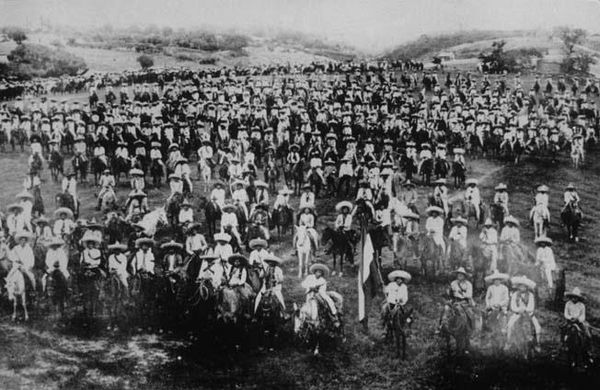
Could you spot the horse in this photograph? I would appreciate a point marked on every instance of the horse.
(269, 315)
(153, 220)
(441, 168)
(18, 137)
(577, 156)
(36, 164)
(271, 177)
(471, 212)
(229, 306)
(342, 245)
(57, 290)
(408, 166)
(64, 199)
(497, 214)
(426, 171)
(17, 291)
(173, 206)
(510, 254)
(204, 173)
(212, 214)
(540, 218)
(522, 340)
(304, 247)
(143, 290)
(295, 174)
(90, 285)
(98, 166)
(312, 322)
(116, 294)
(56, 164)
(457, 255)
(496, 321)
(79, 165)
(575, 344)
(397, 326)
(108, 202)
(571, 218)
(459, 174)
(431, 256)
(157, 172)
(455, 325)
(379, 239)
(116, 228)
(38, 202)
(282, 219)
(120, 165)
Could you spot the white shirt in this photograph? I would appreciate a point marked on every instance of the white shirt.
(229, 219)
(497, 296)
(396, 294)
(434, 225)
(24, 254)
(144, 261)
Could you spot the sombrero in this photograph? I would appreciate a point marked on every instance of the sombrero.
(285, 191)
(408, 183)
(14, 207)
(23, 234)
(42, 220)
(472, 182)
(137, 194)
(488, 222)
(461, 270)
(459, 220)
(219, 183)
(208, 257)
(272, 259)
(543, 240)
(440, 181)
(306, 186)
(343, 204)
(136, 172)
(228, 207)
(511, 219)
(24, 195)
(501, 187)
(117, 246)
(173, 146)
(571, 186)
(238, 183)
(56, 241)
(144, 241)
(239, 257)
(399, 274)
(497, 275)
(63, 210)
(523, 281)
(222, 237)
(155, 144)
(258, 242)
(174, 176)
(260, 183)
(89, 236)
(575, 293)
(319, 267)
(459, 151)
(186, 203)
(432, 209)
(542, 188)
(171, 245)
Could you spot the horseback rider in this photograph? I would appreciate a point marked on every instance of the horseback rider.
(229, 221)
(282, 200)
(575, 311)
(316, 291)
(307, 218)
(541, 196)
(32, 180)
(16, 221)
(57, 256)
(69, 186)
(343, 221)
(195, 243)
(156, 155)
(106, 184)
(175, 185)
(272, 281)
(143, 260)
(137, 205)
(440, 195)
(211, 270)
(25, 200)
(183, 170)
(544, 258)
(186, 214)
(434, 226)
(501, 197)
(262, 192)
(458, 234)
(100, 153)
(240, 195)
(64, 225)
(307, 199)
(424, 155)
(22, 254)
(489, 243)
(497, 296)
(473, 196)
(571, 197)
(117, 263)
(396, 293)
(43, 231)
(91, 257)
(366, 194)
(522, 302)
(217, 195)
(410, 196)
(316, 164)
(222, 248)
(237, 278)
(137, 179)
(460, 295)
(459, 157)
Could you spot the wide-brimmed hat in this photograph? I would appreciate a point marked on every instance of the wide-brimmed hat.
(209, 257)
(285, 191)
(306, 186)
(23, 234)
(64, 210)
(228, 207)
(432, 209)
(488, 222)
(186, 203)
(440, 181)
(343, 204)
(171, 245)
(511, 219)
(144, 241)
(258, 242)
(56, 241)
(14, 207)
(319, 267)
(571, 186)
(216, 184)
(575, 293)
(501, 187)
(174, 176)
(117, 246)
(409, 183)
(497, 276)
(272, 259)
(459, 220)
(399, 274)
(523, 281)
(136, 172)
(88, 236)
(237, 257)
(409, 214)
(542, 188)
(459, 151)
(543, 240)
(222, 237)
(471, 182)
(461, 270)
(137, 194)
(42, 220)
(24, 195)
(260, 183)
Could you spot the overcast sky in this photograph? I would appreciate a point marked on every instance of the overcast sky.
(368, 25)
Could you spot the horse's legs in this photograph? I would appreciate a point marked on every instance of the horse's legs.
(24, 303)
(14, 316)
(300, 260)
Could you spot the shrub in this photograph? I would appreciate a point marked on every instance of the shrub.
(41, 61)
(16, 34)
(145, 61)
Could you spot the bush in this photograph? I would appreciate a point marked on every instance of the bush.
(208, 61)
(145, 61)
(16, 34)
(42, 61)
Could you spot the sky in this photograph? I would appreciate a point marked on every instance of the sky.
(368, 25)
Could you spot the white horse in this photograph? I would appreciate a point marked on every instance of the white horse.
(204, 173)
(15, 286)
(577, 155)
(151, 221)
(304, 243)
(540, 217)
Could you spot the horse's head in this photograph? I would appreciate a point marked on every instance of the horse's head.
(228, 305)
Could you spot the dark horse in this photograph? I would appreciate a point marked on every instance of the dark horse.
(98, 166)
(575, 344)
(56, 290)
(397, 325)
(458, 173)
(56, 164)
(455, 324)
(426, 171)
(79, 167)
(571, 218)
(212, 213)
(294, 176)
(497, 214)
(64, 199)
(342, 245)
(282, 219)
(441, 168)
(269, 318)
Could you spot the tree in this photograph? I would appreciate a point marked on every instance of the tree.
(575, 61)
(145, 61)
(30, 60)
(571, 37)
(16, 34)
(497, 60)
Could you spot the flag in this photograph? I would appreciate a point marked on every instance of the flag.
(369, 278)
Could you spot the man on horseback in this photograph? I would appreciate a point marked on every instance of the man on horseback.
(186, 214)
(458, 236)
(424, 156)
(440, 195)
(272, 281)
(316, 291)
(501, 197)
(282, 200)
(307, 218)
(237, 279)
(117, 263)
(575, 312)
(434, 226)
(343, 222)
(240, 196)
(571, 197)
(229, 222)
(217, 195)
(460, 295)
(183, 170)
(522, 302)
(69, 186)
(22, 254)
(137, 205)
(489, 243)
(143, 260)
(107, 185)
(137, 179)
(223, 247)
(307, 198)
(64, 225)
(195, 243)
(211, 270)
(56, 255)
(91, 257)
(156, 157)
(366, 194)
(396, 293)
(544, 258)
(473, 196)
(497, 296)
